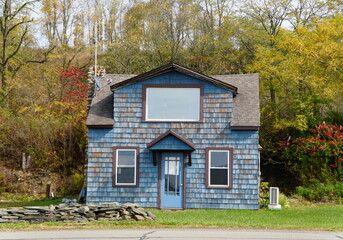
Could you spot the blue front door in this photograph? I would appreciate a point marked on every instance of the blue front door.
(172, 180)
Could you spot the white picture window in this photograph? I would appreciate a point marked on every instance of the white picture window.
(173, 104)
(125, 167)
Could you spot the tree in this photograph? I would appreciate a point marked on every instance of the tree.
(50, 16)
(58, 20)
(111, 20)
(13, 29)
(305, 68)
(304, 12)
(48, 123)
(318, 156)
(63, 23)
(167, 25)
(213, 47)
(126, 52)
(270, 14)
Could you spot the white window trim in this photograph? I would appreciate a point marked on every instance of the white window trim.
(228, 168)
(117, 166)
(199, 117)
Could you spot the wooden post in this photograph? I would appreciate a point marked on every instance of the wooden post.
(48, 190)
(23, 162)
(28, 161)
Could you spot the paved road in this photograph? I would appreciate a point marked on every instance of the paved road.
(172, 234)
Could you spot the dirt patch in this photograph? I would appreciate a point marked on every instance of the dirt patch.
(30, 182)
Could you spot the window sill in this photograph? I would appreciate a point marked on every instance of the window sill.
(117, 185)
(172, 121)
(219, 187)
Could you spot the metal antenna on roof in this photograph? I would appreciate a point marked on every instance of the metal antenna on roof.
(96, 40)
(95, 51)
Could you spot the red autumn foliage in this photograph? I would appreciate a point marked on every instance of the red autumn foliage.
(319, 155)
(76, 88)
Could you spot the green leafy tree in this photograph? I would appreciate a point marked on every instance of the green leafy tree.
(305, 69)
(13, 32)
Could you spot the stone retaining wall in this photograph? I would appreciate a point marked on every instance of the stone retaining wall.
(75, 213)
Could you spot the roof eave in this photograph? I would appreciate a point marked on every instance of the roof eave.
(100, 126)
(170, 132)
(169, 67)
(245, 128)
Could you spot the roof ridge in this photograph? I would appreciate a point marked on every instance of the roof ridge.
(170, 67)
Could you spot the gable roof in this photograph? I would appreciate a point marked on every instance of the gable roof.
(100, 114)
(173, 67)
(246, 112)
(170, 140)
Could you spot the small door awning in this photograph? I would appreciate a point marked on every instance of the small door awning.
(171, 141)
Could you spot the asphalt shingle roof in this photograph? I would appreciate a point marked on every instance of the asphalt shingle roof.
(246, 112)
(101, 111)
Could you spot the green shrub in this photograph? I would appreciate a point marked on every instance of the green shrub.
(317, 191)
(72, 184)
(283, 200)
(2, 183)
(77, 178)
(318, 155)
(264, 195)
(263, 201)
(305, 192)
(21, 197)
(339, 189)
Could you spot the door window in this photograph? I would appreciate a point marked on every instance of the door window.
(172, 175)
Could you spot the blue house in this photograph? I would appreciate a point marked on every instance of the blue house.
(174, 138)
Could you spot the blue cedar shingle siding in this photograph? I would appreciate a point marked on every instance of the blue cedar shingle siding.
(213, 131)
(170, 142)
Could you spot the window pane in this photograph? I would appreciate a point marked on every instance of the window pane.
(219, 159)
(172, 184)
(126, 158)
(219, 177)
(172, 175)
(172, 166)
(126, 175)
(173, 103)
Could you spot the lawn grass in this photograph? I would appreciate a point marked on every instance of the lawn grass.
(321, 217)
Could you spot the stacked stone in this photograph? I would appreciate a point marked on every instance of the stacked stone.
(75, 213)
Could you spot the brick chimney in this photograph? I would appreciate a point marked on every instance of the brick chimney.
(101, 71)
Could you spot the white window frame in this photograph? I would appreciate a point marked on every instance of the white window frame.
(228, 168)
(117, 166)
(177, 86)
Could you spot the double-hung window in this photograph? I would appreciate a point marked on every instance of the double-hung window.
(172, 103)
(125, 166)
(218, 167)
